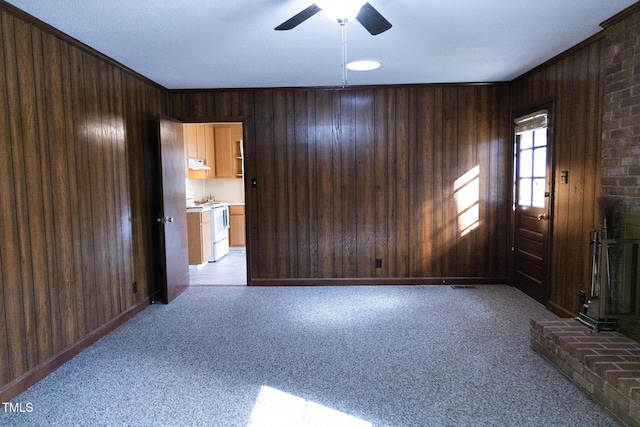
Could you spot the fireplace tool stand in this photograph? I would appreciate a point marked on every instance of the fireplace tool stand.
(593, 312)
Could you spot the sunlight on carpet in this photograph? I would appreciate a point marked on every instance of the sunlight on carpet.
(274, 407)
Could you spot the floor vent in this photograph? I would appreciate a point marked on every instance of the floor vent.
(462, 287)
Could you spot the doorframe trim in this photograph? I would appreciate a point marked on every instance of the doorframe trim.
(248, 203)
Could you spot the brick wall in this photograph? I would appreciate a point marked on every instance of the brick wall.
(621, 111)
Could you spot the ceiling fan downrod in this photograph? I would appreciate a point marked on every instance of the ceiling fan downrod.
(344, 53)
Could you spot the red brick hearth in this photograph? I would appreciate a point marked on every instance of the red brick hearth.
(605, 364)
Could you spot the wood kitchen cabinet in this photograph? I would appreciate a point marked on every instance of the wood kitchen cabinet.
(209, 157)
(228, 152)
(237, 226)
(195, 140)
(199, 233)
(190, 142)
(198, 144)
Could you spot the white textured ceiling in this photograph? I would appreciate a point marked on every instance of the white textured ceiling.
(183, 44)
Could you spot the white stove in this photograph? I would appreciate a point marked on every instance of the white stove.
(219, 230)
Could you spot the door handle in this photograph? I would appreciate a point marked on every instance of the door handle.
(544, 216)
(165, 219)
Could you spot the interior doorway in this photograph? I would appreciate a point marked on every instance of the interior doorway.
(532, 205)
(215, 179)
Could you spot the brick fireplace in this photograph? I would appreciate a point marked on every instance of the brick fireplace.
(606, 365)
(621, 119)
(621, 110)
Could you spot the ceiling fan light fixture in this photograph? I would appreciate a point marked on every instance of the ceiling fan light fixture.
(363, 65)
(341, 11)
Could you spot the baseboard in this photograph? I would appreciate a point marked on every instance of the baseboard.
(558, 310)
(26, 380)
(155, 296)
(382, 281)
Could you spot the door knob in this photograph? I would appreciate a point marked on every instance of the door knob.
(544, 216)
(165, 219)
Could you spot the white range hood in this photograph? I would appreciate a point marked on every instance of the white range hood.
(198, 165)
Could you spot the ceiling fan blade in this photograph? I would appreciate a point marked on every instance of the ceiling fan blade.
(372, 21)
(299, 18)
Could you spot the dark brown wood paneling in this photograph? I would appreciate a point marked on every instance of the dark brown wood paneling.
(26, 354)
(437, 235)
(365, 189)
(572, 87)
(373, 176)
(80, 188)
(54, 169)
(289, 163)
(466, 181)
(483, 157)
(325, 138)
(400, 183)
(267, 189)
(93, 143)
(11, 312)
(424, 164)
(448, 253)
(73, 287)
(282, 238)
(382, 172)
(300, 195)
(77, 156)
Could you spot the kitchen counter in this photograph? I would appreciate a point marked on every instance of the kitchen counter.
(210, 205)
(204, 207)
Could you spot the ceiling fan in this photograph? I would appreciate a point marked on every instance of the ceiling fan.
(342, 11)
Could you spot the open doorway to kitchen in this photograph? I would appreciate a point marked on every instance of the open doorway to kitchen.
(216, 225)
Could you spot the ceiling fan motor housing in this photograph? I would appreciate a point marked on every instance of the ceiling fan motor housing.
(341, 11)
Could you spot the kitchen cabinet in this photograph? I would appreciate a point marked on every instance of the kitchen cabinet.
(190, 142)
(199, 233)
(195, 140)
(237, 226)
(198, 143)
(228, 151)
(209, 157)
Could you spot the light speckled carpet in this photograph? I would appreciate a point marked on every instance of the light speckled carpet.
(360, 356)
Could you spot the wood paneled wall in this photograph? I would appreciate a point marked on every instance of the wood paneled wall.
(73, 229)
(417, 176)
(348, 176)
(572, 85)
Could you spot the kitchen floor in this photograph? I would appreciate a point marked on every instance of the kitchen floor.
(230, 270)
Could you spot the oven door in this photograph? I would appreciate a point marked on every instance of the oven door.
(219, 223)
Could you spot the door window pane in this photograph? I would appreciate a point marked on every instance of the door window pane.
(524, 198)
(530, 183)
(526, 140)
(540, 161)
(540, 137)
(526, 163)
(538, 193)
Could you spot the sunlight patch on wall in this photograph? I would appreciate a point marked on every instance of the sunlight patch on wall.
(278, 408)
(466, 191)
